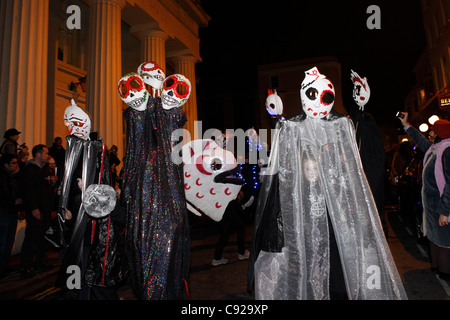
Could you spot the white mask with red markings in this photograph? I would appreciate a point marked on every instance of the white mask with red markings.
(176, 91)
(133, 92)
(361, 90)
(152, 74)
(203, 161)
(317, 94)
(77, 121)
(274, 104)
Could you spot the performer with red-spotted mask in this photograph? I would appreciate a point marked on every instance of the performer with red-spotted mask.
(157, 237)
(314, 195)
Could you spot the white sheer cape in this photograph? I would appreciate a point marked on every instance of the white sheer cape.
(339, 187)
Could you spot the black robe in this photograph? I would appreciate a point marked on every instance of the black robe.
(157, 239)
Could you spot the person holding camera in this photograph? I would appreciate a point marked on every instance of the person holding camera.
(435, 190)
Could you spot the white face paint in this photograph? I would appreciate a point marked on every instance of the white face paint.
(274, 105)
(132, 91)
(152, 74)
(99, 200)
(317, 94)
(176, 91)
(77, 121)
(361, 90)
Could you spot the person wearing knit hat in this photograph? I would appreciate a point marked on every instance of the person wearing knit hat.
(10, 144)
(436, 196)
(441, 128)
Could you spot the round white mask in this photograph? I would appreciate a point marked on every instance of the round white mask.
(176, 91)
(152, 74)
(99, 200)
(133, 92)
(361, 90)
(317, 94)
(77, 121)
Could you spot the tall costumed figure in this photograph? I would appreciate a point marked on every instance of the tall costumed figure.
(89, 234)
(317, 234)
(369, 140)
(157, 233)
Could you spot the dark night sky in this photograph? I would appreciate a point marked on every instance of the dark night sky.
(241, 36)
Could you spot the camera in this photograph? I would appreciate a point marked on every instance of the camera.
(400, 115)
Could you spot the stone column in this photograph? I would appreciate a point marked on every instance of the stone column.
(153, 44)
(23, 68)
(185, 65)
(104, 71)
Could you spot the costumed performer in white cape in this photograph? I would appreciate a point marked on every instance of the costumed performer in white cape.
(369, 140)
(315, 193)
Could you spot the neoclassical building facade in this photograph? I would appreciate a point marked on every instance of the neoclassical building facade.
(50, 55)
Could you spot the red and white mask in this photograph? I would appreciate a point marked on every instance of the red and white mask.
(317, 94)
(133, 92)
(361, 90)
(274, 104)
(152, 74)
(203, 161)
(77, 121)
(176, 91)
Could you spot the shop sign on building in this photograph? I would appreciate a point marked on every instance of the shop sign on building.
(444, 101)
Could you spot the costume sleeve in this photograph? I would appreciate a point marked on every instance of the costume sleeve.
(423, 143)
(271, 226)
(444, 203)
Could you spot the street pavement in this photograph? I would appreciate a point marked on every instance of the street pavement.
(229, 282)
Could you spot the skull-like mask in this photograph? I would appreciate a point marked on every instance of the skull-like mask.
(132, 91)
(77, 121)
(274, 105)
(361, 90)
(152, 74)
(176, 91)
(317, 94)
(99, 200)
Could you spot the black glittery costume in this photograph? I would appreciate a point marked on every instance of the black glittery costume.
(157, 239)
(95, 244)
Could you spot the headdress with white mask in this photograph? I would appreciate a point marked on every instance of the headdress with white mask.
(317, 94)
(176, 91)
(361, 90)
(133, 92)
(152, 75)
(274, 104)
(77, 121)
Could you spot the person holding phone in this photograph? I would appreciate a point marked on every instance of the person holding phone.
(435, 190)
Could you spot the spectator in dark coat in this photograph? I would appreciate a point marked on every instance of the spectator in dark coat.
(57, 152)
(10, 205)
(36, 201)
(10, 144)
